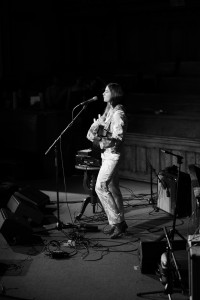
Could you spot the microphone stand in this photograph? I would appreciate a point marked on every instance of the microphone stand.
(151, 200)
(173, 230)
(60, 225)
(172, 273)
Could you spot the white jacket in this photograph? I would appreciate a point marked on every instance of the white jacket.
(115, 125)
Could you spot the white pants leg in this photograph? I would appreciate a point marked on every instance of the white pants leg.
(108, 191)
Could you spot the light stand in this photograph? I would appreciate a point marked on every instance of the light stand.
(60, 225)
(173, 230)
(168, 275)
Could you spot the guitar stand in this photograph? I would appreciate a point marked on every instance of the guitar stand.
(169, 274)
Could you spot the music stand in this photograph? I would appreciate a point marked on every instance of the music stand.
(60, 225)
(174, 230)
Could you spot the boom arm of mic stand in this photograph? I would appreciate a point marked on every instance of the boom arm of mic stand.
(76, 107)
(68, 126)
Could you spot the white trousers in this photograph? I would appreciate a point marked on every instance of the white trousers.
(108, 191)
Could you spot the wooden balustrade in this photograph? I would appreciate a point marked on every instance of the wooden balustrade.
(142, 151)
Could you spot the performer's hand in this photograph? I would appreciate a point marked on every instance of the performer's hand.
(96, 141)
(96, 144)
(97, 138)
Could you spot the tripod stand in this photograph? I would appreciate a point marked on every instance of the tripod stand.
(169, 274)
(173, 230)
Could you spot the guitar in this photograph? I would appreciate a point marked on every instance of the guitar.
(103, 132)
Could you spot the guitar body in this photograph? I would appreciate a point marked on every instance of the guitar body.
(102, 132)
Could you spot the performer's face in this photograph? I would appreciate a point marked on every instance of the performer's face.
(107, 95)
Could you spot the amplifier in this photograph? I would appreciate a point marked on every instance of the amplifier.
(167, 198)
(194, 266)
(194, 240)
(166, 193)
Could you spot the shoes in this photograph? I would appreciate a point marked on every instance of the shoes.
(119, 229)
(117, 232)
(109, 230)
(124, 226)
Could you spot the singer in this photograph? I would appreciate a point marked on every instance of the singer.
(114, 121)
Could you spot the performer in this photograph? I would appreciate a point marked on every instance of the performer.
(108, 132)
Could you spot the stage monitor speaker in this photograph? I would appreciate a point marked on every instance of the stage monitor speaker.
(25, 209)
(14, 229)
(167, 184)
(194, 266)
(149, 253)
(6, 191)
(34, 196)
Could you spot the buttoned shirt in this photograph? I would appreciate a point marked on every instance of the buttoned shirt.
(115, 124)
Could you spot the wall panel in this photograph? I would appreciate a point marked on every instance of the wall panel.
(141, 151)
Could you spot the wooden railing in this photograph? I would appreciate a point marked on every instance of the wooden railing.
(141, 152)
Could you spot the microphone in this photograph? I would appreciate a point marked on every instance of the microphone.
(88, 101)
(168, 152)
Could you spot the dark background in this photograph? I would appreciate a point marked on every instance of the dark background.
(140, 44)
(94, 38)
